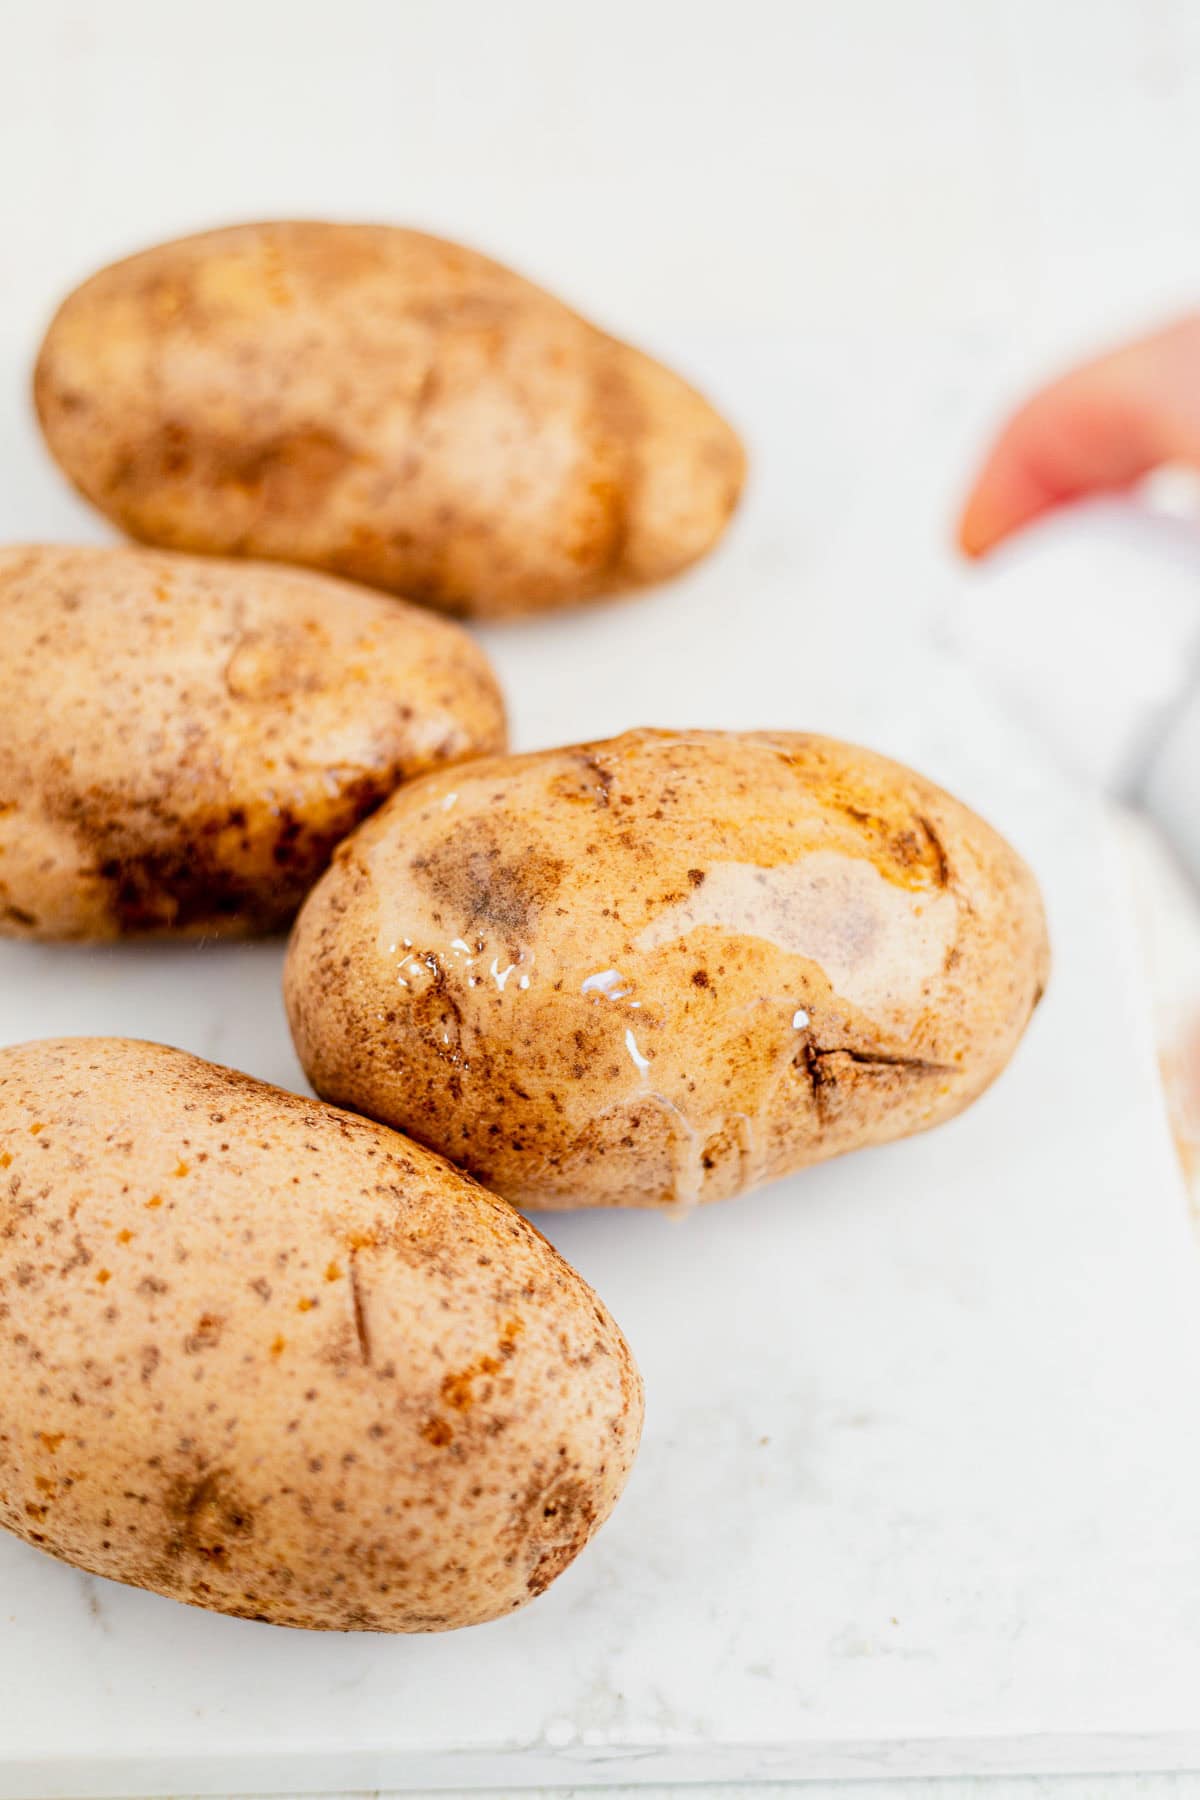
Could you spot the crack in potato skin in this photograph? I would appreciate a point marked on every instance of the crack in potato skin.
(382, 405)
(665, 968)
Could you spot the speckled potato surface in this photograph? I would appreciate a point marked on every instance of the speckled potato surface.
(268, 1358)
(667, 967)
(383, 405)
(184, 741)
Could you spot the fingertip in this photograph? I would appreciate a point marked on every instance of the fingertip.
(972, 538)
(995, 507)
(1010, 491)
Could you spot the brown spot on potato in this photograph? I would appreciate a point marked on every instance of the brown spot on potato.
(205, 1336)
(484, 885)
(180, 890)
(286, 475)
(561, 1517)
(211, 1520)
(458, 1387)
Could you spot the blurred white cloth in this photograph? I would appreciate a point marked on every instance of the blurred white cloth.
(1172, 788)
(1088, 626)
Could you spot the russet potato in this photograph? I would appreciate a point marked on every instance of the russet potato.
(183, 741)
(268, 1358)
(665, 968)
(383, 405)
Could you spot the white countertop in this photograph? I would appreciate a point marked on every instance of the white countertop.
(921, 1471)
(1033, 1787)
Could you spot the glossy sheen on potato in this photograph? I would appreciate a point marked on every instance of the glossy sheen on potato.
(274, 1360)
(382, 405)
(183, 742)
(665, 968)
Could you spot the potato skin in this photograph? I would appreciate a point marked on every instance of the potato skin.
(383, 405)
(184, 741)
(274, 1360)
(665, 968)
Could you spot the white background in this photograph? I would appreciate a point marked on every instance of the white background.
(973, 168)
(864, 226)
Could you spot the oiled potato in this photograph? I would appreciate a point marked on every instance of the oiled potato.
(665, 968)
(383, 405)
(268, 1358)
(183, 742)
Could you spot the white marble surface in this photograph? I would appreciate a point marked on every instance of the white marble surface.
(922, 1462)
(922, 1466)
(1033, 1787)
